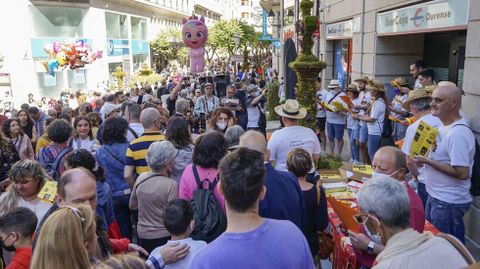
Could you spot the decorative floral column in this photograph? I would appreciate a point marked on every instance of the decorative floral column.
(307, 66)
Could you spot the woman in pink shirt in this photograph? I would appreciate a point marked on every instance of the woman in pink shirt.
(209, 150)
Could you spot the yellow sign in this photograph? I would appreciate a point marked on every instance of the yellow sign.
(48, 192)
(329, 176)
(366, 169)
(338, 106)
(423, 140)
(329, 107)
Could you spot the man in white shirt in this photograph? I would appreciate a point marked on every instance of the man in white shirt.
(206, 103)
(418, 103)
(292, 135)
(132, 115)
(415, 69)
(321, 114)
(449, 166)
(335, 120)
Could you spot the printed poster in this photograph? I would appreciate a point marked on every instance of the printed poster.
(423, 140)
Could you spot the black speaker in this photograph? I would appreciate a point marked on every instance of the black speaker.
(221, 84)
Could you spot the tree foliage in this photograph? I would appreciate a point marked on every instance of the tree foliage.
(168, 45)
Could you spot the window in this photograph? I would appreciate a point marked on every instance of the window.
(139, 28)
(245, 15)
(244, 2)
(116, 25)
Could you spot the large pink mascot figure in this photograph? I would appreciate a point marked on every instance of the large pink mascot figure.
(195, 35)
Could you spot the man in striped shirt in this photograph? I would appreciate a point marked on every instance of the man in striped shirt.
(135, 161)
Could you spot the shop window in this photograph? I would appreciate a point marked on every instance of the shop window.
(117, 26)
(244, 15)
(56, 21)
(342, 61)
(139, 28)
(245, 2)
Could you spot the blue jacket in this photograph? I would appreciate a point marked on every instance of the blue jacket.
(284, 198)
(104, 208)
(113, 167)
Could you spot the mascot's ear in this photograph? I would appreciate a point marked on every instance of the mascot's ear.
(202, 19)
(184, 20)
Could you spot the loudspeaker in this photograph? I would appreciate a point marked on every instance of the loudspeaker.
(221, 84)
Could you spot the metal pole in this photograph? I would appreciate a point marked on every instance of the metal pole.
(282, 54)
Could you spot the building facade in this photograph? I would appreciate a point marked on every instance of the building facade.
(381, 38)
(120, 29)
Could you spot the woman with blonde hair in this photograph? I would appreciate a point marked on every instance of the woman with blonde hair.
(28, 178)
(67, 239)
(122, 261)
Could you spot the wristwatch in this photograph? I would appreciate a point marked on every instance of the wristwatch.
(370, 247)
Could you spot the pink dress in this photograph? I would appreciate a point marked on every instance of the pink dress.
(188, 183)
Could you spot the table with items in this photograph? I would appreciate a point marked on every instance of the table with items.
(340, 188)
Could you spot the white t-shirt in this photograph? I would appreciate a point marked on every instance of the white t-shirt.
(137, 128)
(350, 121)
(397, 105)
(321, 97)
(89, 144)
(456, 147)
(365, 100)
(184, 263)
(284, 140)
(410, 134)
(378, 113)
(335, 118)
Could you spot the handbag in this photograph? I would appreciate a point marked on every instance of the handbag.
(325, 240)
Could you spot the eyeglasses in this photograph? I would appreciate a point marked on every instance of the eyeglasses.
(78, 214)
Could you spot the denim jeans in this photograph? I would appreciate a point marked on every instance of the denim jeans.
(122, 214)
(373, 144)
(422, 192)
(353, 145)
(448, 218)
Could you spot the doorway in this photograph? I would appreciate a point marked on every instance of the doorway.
(444, 53)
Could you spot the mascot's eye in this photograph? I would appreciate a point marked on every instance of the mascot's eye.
(188, 35)
(200, 34)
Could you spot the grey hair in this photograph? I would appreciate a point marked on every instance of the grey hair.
(159, 154)
(232, 135)
(148, 117)
(422, 104)
(181, 105)
(387, 199)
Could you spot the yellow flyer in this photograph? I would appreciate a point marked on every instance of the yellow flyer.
(423, 140)
(48, 192)
(366, 169)
(338, 106)
(329, 107)
(329, 176)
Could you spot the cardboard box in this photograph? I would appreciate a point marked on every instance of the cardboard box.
(340, 176)
(357, 176)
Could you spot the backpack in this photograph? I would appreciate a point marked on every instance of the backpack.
(475, 178)
(210, 220)
(51, 167)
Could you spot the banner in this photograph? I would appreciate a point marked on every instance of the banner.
(441, 15)
(118, 47)
(140, 47)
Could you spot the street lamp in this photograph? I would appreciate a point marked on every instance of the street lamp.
(274, 19)
(236, 41)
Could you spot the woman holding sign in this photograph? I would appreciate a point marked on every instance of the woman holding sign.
(28, 179)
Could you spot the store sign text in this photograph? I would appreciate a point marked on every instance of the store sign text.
(339, 30)
(431, 15)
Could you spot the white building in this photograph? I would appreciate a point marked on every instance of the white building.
(121, 29)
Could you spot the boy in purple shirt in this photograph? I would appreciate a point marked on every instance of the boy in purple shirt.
(251, 241)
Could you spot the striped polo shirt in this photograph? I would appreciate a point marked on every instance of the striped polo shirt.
(137, 151)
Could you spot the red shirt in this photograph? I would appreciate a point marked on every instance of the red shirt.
(417, 214)
(21, 259)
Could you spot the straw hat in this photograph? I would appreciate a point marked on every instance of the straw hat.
(447, 83)
(400, 82)
(353, 87)
(363, 78)
(417, 94)
(291, 109)
(333, 84)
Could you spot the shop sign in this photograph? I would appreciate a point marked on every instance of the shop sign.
(441, 14)
(38, 44)
(140, 47)
(340, 30)
(117, 47)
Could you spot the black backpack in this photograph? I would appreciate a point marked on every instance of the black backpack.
(210, 220)
(475, 178)
(51, 167)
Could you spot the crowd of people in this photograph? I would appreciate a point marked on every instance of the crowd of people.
(179, 176)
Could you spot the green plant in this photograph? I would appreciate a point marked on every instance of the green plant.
(329, 162)
(272, 99)
(307, 66)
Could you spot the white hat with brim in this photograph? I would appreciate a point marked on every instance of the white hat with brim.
(333, 84)
(291, 109)
(108, 108)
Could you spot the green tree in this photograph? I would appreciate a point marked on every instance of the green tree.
(168, 46)
(220, 37)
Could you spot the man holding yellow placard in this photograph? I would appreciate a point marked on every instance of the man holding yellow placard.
(335, 118)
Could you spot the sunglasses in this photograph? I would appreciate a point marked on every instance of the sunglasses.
(78, 214)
